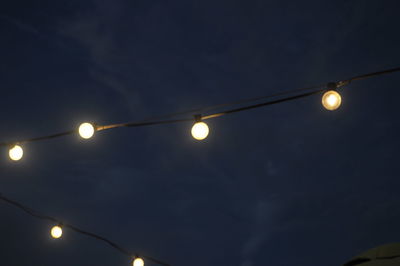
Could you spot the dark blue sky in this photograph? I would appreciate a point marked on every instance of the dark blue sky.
(290, 184)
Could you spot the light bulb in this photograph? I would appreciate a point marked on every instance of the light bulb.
(56, 231)
(86, 130)
(16, 153)
(200, 130)
(138, 262)
(331, 100)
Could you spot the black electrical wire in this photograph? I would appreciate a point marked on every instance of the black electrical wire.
(243, 101)
(231, 111)
(78, 230)
(157, 120)
(373, 74)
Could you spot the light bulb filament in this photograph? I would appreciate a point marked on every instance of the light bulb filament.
(200, 130)
(331, 100)
(138, 262)
(86, 130)
(56, 231)
(16, 153)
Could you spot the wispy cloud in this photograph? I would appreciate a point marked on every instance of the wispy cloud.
(94, 31)
(263, 224)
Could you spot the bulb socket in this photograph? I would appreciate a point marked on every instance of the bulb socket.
(197, 118)
(332, 86)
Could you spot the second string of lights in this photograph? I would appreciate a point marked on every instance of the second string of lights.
(56, 232)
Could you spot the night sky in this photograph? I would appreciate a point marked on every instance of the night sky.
(287, 185)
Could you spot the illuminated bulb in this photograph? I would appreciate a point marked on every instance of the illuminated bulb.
(56, 231)
(86, 130)
(138, 262)
(200, 131)
(16, 153)
(331, 100)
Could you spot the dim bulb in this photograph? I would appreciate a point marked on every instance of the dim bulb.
(138, 262)
(200, 130)
(56, 231)
(331, 100)
(86, 130)
(16, 153)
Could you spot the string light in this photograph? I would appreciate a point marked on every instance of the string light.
(86, 130)
(138, 262)
(16, 153)
(331, 100)
(200, 129)
(56, 231)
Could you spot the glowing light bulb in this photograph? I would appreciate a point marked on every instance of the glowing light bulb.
(138, 262)
(86, 130)
(331, 100)
(16, 153)
(56, 231)
(200, 130)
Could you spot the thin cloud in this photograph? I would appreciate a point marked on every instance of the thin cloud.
(95, 33)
